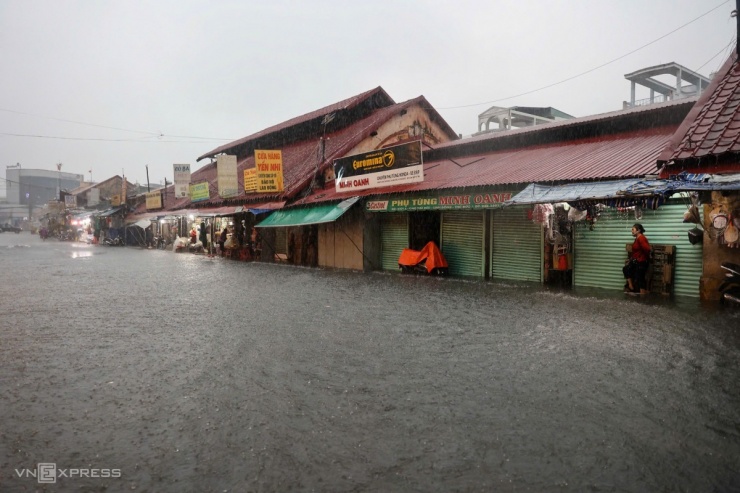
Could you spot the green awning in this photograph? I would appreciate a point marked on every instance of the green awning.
(309, 215)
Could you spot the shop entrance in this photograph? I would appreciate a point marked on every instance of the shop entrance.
(424, 227)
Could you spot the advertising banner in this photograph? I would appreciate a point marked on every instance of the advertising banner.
(462, 201)
(182, 180)
(250, 180)
(70, 201)
(93, 197)
(381, 168)
(269, 165)
(154, 200)
(228, 184)
(199, 192)
(115, 200)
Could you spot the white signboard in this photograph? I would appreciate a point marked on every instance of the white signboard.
(182, 180)
(228, 183)
(385, 167)
(93, 197)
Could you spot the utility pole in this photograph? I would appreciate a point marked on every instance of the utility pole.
(147, 179)
(59, 181)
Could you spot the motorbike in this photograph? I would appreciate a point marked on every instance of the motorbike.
(730, 287)
(161, 243)
(113, 241)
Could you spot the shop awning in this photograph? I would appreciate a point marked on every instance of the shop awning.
(574, 192)
(308, 215)
(110, 212)
(231, 210)
(622, 193)
(143, 223)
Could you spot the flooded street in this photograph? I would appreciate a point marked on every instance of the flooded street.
(187, 373)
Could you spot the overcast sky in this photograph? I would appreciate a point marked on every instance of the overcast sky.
(113, 86)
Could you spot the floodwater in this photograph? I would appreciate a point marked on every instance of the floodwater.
(179, 372)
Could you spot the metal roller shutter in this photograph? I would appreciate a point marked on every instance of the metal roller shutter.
(394, 237)
(599, 255)
(516, 251)
(463, 242)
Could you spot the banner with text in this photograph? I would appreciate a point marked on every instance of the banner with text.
(464, 201)
(93, 197)
(250, 180)
(182, 180)
(228, 184)
(269, 166)
(154, 200)
(199, 192)
(381, 168)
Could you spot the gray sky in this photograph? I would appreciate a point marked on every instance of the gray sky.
(112, 86)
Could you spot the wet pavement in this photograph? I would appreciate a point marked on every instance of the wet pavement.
(187, 373)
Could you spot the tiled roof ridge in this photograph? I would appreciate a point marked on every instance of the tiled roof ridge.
(711, 105)
(682, 139)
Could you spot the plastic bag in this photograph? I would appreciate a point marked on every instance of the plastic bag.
(576, 214)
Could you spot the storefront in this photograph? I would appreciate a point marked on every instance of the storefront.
(329, 235)
(460, 223)
(600, 248)
(517, 245)
(600, 232)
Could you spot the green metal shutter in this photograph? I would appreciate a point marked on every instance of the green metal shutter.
(463, 242)
(394, 237)
(599, 255)
(517, 245)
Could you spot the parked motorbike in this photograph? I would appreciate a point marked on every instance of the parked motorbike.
(730, 287)
(160, 243)
(113, 241)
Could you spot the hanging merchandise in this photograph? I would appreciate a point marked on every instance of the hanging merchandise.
(731, 233)
(695, 236)
(575, 215)
(541, 213)
(692, 215)
(720, 221)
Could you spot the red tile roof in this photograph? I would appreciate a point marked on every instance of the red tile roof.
(712, 127)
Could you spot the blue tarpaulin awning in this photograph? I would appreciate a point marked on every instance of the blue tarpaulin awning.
(622, 193)
(590, 191)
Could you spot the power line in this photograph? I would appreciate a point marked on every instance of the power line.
(148, 133)
(732, 42)
(36, 136)
(590, 70)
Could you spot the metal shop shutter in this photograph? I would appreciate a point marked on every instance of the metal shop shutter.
(463, 242)
(394, 237)
(599, 255)
(516, 251)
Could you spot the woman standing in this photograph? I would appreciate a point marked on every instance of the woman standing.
(636, 268)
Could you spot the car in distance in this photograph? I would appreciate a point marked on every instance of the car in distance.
(11, 229)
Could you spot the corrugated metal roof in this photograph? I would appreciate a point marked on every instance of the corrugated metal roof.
(301, 160)
(712, 127)
(341, 105)
(623, 155)
(564, 124)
